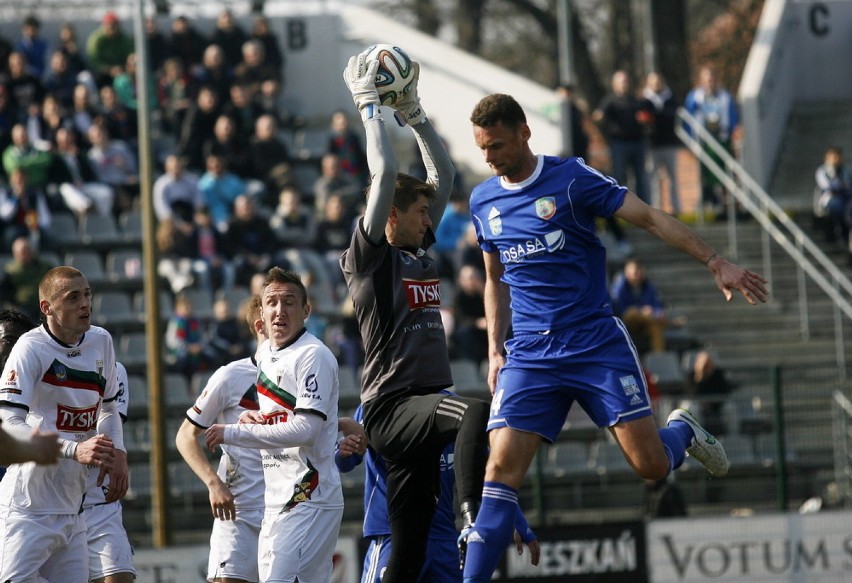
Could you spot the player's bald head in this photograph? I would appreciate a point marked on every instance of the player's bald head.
(55, 280)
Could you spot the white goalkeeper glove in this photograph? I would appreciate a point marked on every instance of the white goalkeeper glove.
(408, 109)
(360, 78)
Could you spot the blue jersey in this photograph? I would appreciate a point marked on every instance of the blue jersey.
(376, 521)
(544, 230)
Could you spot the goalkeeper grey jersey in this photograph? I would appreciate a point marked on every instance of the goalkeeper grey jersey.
(397, 299)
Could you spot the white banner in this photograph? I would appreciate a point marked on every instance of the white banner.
(189, 564)
(784, 548)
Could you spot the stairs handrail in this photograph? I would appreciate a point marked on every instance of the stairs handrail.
(808, 257)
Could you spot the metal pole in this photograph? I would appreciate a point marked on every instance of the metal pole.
(156, 410)
(781, 488)
(566, 73)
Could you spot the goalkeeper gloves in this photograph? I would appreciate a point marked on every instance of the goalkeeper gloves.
(408, 108)
(360, 78)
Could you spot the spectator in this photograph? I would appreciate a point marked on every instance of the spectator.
(159, 47)
(270, 104)
(270, 160)
(83, 112)
(242, 109)
(226, 341)
(77, 181)
(176, 194)
(636, 301)
(197, 128)
(834, 195)
(333, 181)
(624, 118)
(22, 155)
(230, 37)
(469, 337)
(174, 88)
(664, 499)
(716, 110)
(119, 120)
(125, 86)
(107, 49)
(25, 90)
(68, 46)
(8, 118)
(450, 232)
(115, 165)
(249, 240)
(214, 73)
(176, 254)
(43, 128)
(5, 50)
(579, 136)
(24, 211)
(709, 382)
(344, 142)
(186, 43)
(664, 142)
(212, 269)
(334, 231)
(220, 189)
(33, 47)
(294, 225)
(22, 275)
(185, 338)
(253, 71)
(61, 79)
(274, 57)
(228, 144)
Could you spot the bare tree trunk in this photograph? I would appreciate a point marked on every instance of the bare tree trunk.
(428, 19)
(469, 24)
(621, 36)
(669, 22)
(586, 74)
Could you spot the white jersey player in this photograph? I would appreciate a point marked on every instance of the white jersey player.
(236, 489)
(298, 395)
(59, 377)
(110, 552)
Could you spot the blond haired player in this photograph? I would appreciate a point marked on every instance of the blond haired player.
(59, 377)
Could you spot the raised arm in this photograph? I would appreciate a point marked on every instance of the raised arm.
(360, 79)
(728, 276)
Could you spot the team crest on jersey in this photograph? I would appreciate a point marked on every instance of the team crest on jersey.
(545, 207)
(60, 372)
(99, 364)
(495, 223)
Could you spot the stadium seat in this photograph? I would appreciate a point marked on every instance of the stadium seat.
(183, 481)
(466, 377)
(132, 350)
(350, 387)
(138, 392)
(305, 175)
(89, 262)
(567, 457)
(311, 144)
(202, 303)
(99, 230)
(235, 297)
(608, 457)
(112, 308)
(166, 303)
(140, 481)
(63, 232)
(177, 392)
(130, 224)
(664, 369)
(125, 265)
(198, 381)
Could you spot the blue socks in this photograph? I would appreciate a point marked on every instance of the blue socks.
(676, 438)
(492, 532)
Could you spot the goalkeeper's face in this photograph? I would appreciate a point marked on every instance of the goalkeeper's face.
(506, 150)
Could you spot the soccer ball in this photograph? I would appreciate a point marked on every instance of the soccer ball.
(394, 77)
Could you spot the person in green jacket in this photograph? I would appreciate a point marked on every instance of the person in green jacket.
(107, 49)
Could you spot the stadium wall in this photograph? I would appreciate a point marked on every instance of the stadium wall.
(799, 54)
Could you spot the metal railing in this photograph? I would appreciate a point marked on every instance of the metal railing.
(842, 429)
(777, 225)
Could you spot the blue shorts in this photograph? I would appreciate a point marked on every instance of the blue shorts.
(594, 364)
(441, 566)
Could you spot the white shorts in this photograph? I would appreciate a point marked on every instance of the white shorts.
(50, 546)
(109, 548)
(233, 546)
(299, 543)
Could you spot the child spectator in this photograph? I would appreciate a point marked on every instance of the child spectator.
(184, 339)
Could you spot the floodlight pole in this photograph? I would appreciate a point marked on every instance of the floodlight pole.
(566, 72)
(156, 409)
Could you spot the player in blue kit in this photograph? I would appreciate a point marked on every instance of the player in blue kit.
(545, 266)
(441, 564)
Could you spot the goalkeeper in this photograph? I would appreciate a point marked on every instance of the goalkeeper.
(394, 286)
